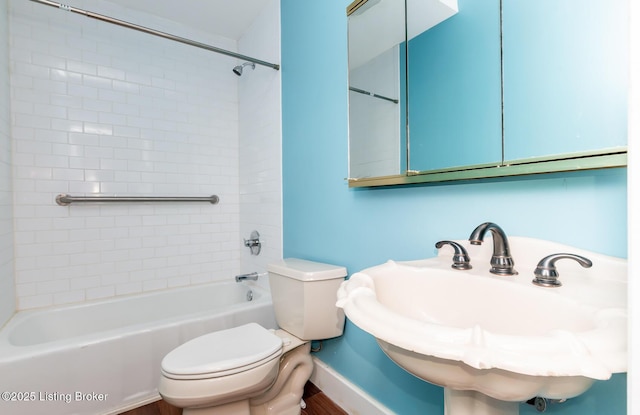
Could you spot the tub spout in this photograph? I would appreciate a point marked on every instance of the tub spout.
(243, 277)
(501, 261)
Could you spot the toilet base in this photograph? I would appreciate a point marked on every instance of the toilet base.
(284, 397)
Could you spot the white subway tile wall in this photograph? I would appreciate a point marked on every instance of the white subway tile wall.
(99, 109)
(260, 142)
(7, 287)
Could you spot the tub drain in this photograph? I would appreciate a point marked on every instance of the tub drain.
(249, 295)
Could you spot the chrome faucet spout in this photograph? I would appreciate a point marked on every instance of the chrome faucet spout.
(501, 262)
(243, 277)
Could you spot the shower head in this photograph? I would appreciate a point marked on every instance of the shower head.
(238, 69)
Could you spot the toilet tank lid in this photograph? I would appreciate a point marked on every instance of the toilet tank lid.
(303, 270)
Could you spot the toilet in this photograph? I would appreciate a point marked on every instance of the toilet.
(250, 370)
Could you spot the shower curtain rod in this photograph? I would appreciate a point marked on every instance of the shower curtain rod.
(156, 33)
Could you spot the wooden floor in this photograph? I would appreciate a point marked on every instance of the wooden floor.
(317, 404)
(156, 408)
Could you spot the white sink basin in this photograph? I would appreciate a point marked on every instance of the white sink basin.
(501, 336)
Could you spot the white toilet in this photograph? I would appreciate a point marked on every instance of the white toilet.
(249, 370)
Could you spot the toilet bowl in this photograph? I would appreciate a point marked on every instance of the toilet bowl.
(249, 370)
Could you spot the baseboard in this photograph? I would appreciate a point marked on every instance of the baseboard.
(344, 393)
(130, 406)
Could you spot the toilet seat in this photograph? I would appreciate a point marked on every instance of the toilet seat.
(222, 353)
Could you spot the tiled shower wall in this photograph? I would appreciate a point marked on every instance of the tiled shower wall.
(260, 141)
(7, 289)
(100, 109)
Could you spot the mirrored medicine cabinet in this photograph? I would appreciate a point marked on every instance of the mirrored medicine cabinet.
(443, 90)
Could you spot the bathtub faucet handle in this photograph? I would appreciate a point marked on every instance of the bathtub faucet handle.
(253, 243)
(243, 277)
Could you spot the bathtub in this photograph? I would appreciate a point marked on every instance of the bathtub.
(104, 357)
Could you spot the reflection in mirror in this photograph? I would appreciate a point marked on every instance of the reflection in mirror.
(377, 80)
(565, 88)
(374, 88)
(454, 99)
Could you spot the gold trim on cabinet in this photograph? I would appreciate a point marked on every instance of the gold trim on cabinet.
(566, 163)
(355, 5)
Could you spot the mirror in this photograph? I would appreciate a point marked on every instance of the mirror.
(565, 89)
(486, 89)
(376, 115)
(454, 90)
(378, 32)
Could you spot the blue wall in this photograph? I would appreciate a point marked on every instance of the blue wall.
(326, 221)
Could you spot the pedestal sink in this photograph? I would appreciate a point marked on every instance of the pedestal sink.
(494, 341)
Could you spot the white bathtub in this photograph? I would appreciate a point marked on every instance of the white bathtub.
(104, 357)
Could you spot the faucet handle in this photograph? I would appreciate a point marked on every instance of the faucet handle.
(546, 272)
(460, 257)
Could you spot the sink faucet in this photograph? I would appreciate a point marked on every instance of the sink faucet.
(501, 261)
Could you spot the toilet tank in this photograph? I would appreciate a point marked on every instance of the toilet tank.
(304, 297)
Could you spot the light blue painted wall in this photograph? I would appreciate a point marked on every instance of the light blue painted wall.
(324, 220)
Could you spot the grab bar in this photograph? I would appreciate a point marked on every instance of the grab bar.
(65, 200)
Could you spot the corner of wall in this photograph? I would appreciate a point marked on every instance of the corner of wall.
(260, 141)
(7, 282)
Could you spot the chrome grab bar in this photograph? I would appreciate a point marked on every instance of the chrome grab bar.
(65, 200)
